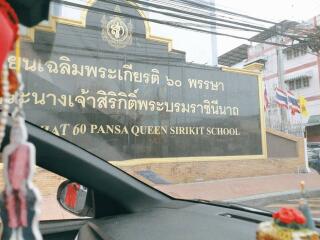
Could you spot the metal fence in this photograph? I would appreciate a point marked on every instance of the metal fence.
(296, 129)
(291, 126)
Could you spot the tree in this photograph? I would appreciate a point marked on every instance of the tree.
(313, 40)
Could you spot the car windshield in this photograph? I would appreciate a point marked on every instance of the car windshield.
(212, 100)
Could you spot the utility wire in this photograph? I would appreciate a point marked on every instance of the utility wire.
(212, 7)
(293, 37)
(194, 14)
(164, 22)
(211, 17)
(262, 28)
(189, 13)
(146, 19)
(204, 12)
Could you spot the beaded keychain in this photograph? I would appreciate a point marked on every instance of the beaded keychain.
(19, 200)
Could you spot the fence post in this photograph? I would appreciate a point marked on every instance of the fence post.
(306, 161)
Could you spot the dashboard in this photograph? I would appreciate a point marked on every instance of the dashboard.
(177, 221)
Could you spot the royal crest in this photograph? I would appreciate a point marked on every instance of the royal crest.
(116, 31)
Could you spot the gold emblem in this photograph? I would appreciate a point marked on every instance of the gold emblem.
(116, 32)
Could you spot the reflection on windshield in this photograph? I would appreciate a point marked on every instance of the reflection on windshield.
(236, 132)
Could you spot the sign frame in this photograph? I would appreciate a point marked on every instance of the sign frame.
(50, 26)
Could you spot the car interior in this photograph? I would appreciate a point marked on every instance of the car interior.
(126, 208)
(115, 205)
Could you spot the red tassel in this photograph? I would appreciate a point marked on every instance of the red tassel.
(8, 31)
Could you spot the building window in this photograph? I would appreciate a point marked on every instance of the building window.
(303, 50)
(291, 85)
(289, 54)
(296, 52)
(299, 82)
(306, 82)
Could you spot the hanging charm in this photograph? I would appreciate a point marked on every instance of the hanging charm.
(19, 215)
(19, 202)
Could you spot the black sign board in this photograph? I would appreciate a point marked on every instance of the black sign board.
(112, 89)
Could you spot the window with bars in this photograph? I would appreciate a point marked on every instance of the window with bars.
(296, 52)
(306, 82)
(303, 50)
(289, 54)
(291, 85)
(297, 83)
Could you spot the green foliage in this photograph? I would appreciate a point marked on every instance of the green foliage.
(294, 226)
(313, 40)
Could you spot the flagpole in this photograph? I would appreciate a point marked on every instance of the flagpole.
(282, 101)
(305, 140)
(306, 160)
(289, 117)
(281, 73)
(302, 125)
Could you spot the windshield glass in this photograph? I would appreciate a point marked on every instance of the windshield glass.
(200, 101)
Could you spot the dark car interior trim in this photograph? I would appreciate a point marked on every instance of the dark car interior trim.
(116, 189)
(128, 209)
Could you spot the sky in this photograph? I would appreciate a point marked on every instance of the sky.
(274, 10)
(198, 46)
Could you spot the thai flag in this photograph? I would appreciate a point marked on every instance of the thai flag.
(293, 103)
(281, 98)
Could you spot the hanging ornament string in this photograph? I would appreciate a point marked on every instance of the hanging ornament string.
(5, 101)
(18, 111)
(18, 59)
(10, 83)
(8, 36)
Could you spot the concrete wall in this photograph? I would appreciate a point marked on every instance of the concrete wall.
(187, 172)
(285, 155)
(283, 145)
